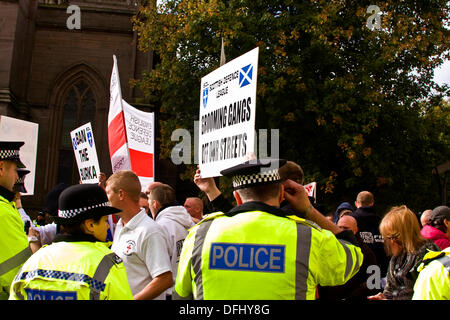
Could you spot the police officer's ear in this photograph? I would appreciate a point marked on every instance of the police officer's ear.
(238, 198)
(281, 195)
(88, 226)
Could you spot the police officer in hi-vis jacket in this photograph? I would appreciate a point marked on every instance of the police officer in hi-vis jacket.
(14, 245)
(257, 251)
(78, 265)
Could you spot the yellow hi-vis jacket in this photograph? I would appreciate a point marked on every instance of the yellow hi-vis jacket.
(433, 282)
(79, 270)
(14, 247)
(261, 254)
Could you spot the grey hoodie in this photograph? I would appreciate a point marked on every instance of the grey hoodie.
(175, 222)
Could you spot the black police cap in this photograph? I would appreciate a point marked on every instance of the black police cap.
(20, 183)
(9, 150)
(254, 172)
(83, 201)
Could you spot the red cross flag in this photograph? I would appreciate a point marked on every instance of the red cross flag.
(130, 134)
(117, 137)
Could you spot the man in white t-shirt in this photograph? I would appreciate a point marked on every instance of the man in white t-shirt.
(138, 240)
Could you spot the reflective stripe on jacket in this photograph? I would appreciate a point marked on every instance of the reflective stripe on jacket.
(72, 271)
(14, 245)
(258, 255)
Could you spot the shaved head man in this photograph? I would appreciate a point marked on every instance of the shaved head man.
(348, 223)
(425, 217)
(194, 206)
(364, 199)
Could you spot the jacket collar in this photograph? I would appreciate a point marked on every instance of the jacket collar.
(256, 206)
(75, 238)
(5, 193)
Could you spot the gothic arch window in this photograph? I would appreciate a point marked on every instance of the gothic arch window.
(79, 108)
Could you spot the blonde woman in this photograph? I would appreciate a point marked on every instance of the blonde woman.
(403, 242)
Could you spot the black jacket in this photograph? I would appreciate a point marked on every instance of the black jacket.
(368, 230)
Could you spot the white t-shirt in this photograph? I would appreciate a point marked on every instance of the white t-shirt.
(142, 247)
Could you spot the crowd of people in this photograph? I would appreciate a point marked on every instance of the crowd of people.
(112, 241)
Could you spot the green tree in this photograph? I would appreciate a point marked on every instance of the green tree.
(356, 108)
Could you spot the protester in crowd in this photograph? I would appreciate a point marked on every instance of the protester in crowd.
(14, 245)
(433, 282)
(368, 227)
(345, 212)
(401, 232)
(102, 180)
(343, 206)
(194, 206)
(44, 235)
(293, 171)
(438, 229)
(425, 217)
(138, 240)
(151, 186)
(78, 265)
(356, 288)
(143, 202)
(112, 219)
(174, 220)
(255, 251)
(217, 201)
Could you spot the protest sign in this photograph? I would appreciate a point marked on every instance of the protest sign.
(227, 114)
(140, 130)
(12, 129)
(85, 153)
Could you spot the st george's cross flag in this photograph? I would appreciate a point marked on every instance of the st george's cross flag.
(130, 134)
(117, 137)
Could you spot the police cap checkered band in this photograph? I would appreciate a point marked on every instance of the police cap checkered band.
(20, 180)
(240, 181)
(9, 150)
(67, 214)
(254, 172)
(9, 154)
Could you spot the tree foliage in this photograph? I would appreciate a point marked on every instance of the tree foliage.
(356, 108)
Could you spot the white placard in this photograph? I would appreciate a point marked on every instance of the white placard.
(227, 114)
(85, 153)
(12, 129)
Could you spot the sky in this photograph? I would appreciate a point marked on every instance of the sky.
(442, 74)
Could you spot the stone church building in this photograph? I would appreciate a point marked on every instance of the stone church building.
(59, 78)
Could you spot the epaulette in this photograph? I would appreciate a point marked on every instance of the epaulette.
(208, 217)
(430, 256)
(305, 222)
(212, 216)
